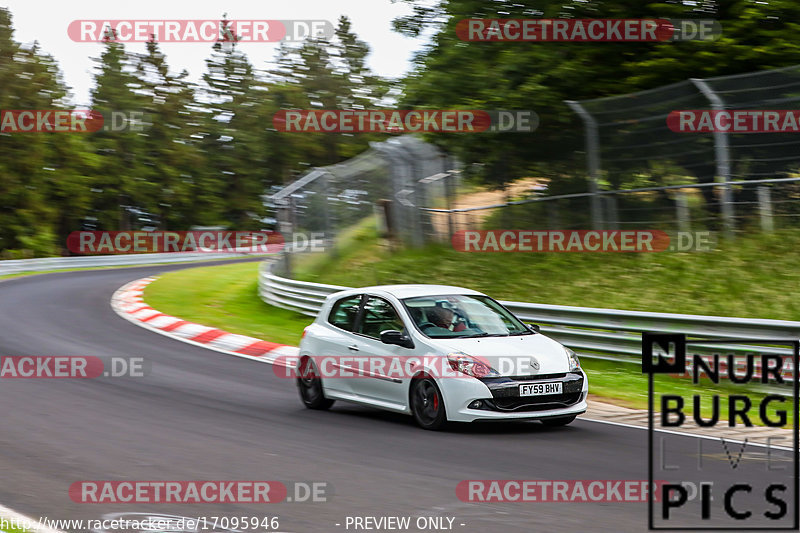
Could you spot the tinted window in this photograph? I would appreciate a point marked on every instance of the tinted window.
(344, 312)
(379, 315)
(457, 315)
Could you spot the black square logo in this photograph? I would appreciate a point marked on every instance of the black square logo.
(663, 353)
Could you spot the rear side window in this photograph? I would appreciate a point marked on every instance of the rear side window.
(379, 315)
(344, 312)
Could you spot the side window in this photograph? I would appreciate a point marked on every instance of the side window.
(379, 315)
(344, 312)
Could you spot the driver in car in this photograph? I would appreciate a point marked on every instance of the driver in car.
(446, 318)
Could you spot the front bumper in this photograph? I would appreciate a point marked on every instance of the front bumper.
(500, 399)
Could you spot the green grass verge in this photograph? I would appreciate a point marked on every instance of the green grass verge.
(754, 276)
(226, 297)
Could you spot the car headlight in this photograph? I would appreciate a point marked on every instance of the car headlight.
(466, 364)
(574, 362)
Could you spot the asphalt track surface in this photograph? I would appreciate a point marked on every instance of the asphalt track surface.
(204, 415)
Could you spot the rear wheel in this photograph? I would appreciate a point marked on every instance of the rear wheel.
(309, 383)
(427, 404)
(559, 421)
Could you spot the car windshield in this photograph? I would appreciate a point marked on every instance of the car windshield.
(462, 316)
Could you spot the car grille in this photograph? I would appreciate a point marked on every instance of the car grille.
(505, 393)
(534, 403)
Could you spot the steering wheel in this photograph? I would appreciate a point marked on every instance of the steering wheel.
(427, 325)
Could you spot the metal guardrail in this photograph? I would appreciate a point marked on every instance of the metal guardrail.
(301, 296)
(592, 332)
(16, 266)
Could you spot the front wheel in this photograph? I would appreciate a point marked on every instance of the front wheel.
(559, 421)
(427, 404)
(309, 383)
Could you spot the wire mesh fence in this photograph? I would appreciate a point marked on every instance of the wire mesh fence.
(764, 205)
(386, 180)
(629, 144)
(767, 154)
(641, 173)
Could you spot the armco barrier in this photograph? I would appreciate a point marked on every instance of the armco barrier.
(592, 332)
(15, 266)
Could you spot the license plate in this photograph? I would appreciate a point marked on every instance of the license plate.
(540, 389)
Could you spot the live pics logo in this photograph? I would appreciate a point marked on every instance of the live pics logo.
(741, 472)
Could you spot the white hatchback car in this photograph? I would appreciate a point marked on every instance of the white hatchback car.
(439, 353)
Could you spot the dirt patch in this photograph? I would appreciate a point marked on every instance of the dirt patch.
(522, 188)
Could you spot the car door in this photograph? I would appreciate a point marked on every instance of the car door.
(380, 381)
(339, 343)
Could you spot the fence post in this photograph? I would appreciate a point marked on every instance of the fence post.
(765, 208)
(420, 200)
(722, 155)
(406, 212)
(506, 215)
(417, 222)
(284, 216)
(327, 235)
(612, 215)
(592, 159)
(448, 192)
(682, 211)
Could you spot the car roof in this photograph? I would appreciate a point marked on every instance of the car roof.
(410, 290)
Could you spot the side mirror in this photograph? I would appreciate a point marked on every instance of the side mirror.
(392, 336)
(534, 327)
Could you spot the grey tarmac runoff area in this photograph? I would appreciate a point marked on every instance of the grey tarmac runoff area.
(204, 415)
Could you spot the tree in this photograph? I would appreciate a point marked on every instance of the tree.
(494, 75)
(232, 131)
(29, 80)
(171, 160)
(330, 75)
(121, 183)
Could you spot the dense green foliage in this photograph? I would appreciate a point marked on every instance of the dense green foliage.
(205, 154)
(451, 73)
(733, 280)
(208, 150)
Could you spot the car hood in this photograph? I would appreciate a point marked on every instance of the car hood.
(514, 355)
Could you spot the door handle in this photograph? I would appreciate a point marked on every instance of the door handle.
(353, 348)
